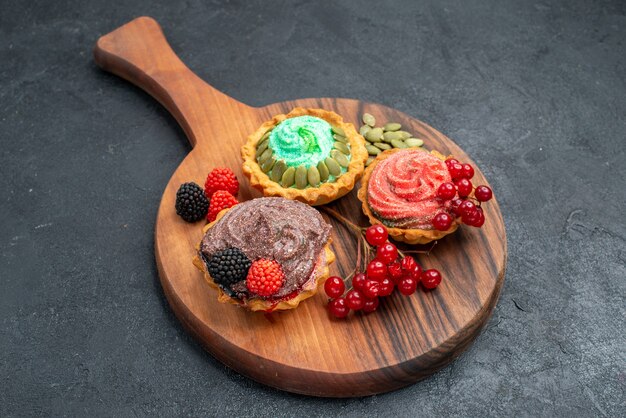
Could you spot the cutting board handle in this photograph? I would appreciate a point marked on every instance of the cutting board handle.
(139, 53)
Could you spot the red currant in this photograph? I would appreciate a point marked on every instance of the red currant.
(466, 206)
(480, 218)
(376, 270)
(394, 270)
(386, 287)
(371, 289)
(338, 308)
(411, 268)
(408, 264)
(481, 221)
(387, 253)
(468, 171)
(431, 278)
(454, 207)
(376, 234)
(464, 187)
(407, 286)
(355, 300)
(483, 193)
(455, 170)
(334, 287)
(442, 221)
(451, 161)
(358, 281)
(446, 191)
(416, 273)
(470, 217)
(370, 305)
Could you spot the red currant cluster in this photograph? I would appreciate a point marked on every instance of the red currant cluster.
(388, 270)
(470, 213)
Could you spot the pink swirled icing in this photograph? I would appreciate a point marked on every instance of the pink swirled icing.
(402, 189)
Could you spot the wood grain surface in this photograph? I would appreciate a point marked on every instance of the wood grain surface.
(303, 350)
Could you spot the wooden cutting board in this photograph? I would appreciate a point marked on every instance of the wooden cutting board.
(304, 350)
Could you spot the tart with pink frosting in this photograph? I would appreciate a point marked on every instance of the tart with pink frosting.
(399, 190)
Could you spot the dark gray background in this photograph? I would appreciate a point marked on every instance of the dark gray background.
(534, 91)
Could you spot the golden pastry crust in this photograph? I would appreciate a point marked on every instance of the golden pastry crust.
(326, 192)
(410, 236)
(321, 273)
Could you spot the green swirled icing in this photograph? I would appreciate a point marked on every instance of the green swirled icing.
(303, 140)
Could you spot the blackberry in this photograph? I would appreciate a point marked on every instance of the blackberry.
(191, 203)
(228, 267)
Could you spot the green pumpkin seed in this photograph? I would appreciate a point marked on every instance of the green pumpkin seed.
(369, 119)
(267, 154)
(278, 170)
(301, 177)
(313, 175)
(267, 165)
(266, 134)
(414, 142)
(333, 167)
(404, 134)
(288, 177)
(364, 129)
(372, 150)
(390, 136)
(338, 130)
(382, 146)
(261, 148)
(262, 141)
(340, 138)
(392, 126)
(374, 135)
(369, 161)
(398, 143)
(342, 147)
(340, 158)
(323, 170)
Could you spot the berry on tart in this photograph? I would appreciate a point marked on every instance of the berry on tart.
(310, 155)
(191, 203)
(265, 277)
(228, 267)
(286, 245)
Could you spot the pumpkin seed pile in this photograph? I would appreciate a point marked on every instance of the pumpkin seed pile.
(302, 176)
(379, 139)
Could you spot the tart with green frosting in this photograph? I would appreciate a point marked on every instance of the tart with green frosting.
(309, 155)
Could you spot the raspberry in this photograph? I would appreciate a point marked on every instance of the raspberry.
(221, 179)
(265, 277)
(191, 204)
(219, 201)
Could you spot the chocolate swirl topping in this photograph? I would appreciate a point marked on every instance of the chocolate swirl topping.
(287, 231)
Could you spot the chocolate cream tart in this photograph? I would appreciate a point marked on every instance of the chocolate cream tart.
(287, 237)
(309, 155)
(399, 190)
